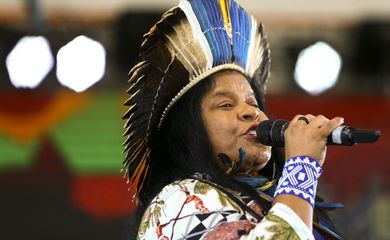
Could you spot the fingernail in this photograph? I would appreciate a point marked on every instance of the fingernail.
(341, 120)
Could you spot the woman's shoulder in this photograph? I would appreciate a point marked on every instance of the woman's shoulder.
(180, 203)
(177, 187)
(197, 194)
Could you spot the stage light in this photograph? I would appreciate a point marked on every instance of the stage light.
(81, 63)
(29, 62)
(317, 68)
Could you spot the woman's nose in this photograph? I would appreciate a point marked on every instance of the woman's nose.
(250, 113)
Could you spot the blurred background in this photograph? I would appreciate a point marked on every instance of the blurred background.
(63, 76)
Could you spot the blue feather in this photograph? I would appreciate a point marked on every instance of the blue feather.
(220, 32)
(212, 28)
(235, 22)
(204, 24)
(211, 22)
(236, 37)
(241, 25)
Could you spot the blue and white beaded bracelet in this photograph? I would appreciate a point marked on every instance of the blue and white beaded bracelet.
(300, 177)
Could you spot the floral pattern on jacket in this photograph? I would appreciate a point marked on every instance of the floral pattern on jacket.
(193, 209)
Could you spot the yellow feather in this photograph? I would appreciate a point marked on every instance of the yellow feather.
(226, 16)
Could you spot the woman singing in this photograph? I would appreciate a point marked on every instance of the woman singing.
(193, 159)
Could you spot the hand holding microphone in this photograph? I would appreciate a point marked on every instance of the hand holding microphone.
(272, 132)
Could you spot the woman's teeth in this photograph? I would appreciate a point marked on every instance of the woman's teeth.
(252, 132)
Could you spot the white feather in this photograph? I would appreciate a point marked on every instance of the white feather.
(250, 68)
(197, 31)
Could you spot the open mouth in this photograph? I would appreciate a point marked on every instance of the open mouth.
(251, 132)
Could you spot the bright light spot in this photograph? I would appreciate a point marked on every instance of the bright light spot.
(81, 63)
(29, 62)
(317, 68)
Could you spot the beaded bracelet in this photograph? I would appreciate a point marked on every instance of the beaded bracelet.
(300, 177)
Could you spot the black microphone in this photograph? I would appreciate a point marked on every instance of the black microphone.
(271, 133)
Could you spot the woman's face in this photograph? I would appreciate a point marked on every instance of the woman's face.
(230, 113)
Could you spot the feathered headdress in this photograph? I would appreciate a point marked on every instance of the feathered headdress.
(190, 42)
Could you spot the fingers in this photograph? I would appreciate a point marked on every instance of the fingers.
(319, 120)
(328, 127)
(310, 138)
(325, 125)
(297, 119)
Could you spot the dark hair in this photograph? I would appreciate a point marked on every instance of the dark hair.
(182, 148)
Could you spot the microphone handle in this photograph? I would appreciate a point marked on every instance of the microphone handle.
(348, 136)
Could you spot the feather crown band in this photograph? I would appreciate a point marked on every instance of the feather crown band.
(191, 42)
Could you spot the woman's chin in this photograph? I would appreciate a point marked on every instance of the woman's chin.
(262, 160)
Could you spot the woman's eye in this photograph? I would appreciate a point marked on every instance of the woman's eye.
(253, 104)
(225, 105)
